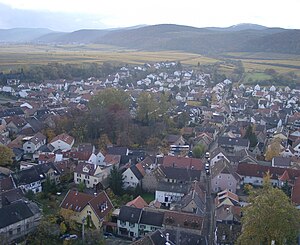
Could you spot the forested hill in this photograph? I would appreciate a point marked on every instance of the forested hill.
(244, 37)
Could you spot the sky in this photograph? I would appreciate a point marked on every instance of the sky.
(69, 15)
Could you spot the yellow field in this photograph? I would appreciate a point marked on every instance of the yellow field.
(19, 55)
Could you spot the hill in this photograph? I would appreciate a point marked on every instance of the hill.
(239, 38)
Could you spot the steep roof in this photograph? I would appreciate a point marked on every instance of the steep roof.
(130, 214)
(14, 213)
(233, 141)
(138, 202)
(256, 170)
(63, 137)
(183, 162)
(180, 174)
(151, 218)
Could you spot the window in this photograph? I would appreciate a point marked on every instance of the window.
(142, 226)
(122, 223)
(219, 176)
(228, 177)
(153, 228)
(131, 225)
(10, 232)
(18, 229)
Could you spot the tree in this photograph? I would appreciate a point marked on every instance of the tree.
(116, 180)
(270, 216)
(6, 155)
(251, 136)
(273, 149)
(148, 108)
(199, 150)
(112, 99)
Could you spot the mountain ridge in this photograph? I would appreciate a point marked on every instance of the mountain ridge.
(210, 40)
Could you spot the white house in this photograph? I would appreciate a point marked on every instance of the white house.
(62, 142)
(34, 143)
(133, 176)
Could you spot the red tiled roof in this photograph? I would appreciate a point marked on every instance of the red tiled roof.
(63, 137)
(184, 220)
(285, 176)
(182, 162)
(140, 168)
(77, 201)
(138, 202)
(296, 192)
(255, 170)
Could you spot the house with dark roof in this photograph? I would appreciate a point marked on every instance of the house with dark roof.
(79, 206)
(17, 220)
(133, 176)
(28, 179)
(135, 222)
(223, 176)
(233, 144)
(32, 144)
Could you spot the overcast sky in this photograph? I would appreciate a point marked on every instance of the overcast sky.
(70, 15)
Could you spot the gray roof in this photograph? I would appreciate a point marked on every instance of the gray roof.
(181, 174)
(152, 218)
(233, 141)
(130, 214)
(14, 213)
(173, 187)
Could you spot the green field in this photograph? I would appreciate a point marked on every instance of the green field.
(256, 76)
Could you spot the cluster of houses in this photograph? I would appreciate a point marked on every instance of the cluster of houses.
(182, 210)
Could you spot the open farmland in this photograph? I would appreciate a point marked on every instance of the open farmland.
(14, 56)
(256, 62)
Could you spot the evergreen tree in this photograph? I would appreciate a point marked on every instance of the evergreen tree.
(116, 181)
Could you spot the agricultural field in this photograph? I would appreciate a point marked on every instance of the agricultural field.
(16, 56)
(257, 62)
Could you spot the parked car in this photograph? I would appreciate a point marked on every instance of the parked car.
(108, 235)
(64, 236)
(72, 237)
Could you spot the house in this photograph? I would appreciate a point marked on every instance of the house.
(91, 175)
(167, 193)
(181, 221)
(193, 202)
(62, 142)
(32, 144)
(223, 177)
(283, 162)
(135, 222)
(18, 219)
(138, 202)
(295, 195)
(133, 176)
(175, 140)
(28, 180)
(233, 144)
(183, 162)
(128, 221)
(254, 173)
(81, 206)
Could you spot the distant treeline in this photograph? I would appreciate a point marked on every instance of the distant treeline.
(54, 71)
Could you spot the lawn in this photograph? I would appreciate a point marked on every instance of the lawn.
(148, 197)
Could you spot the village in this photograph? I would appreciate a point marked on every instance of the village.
(189, 192)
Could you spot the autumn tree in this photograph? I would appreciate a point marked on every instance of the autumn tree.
(273, 149)
(6, 155)
(148, 108)
(269, 217)
(112, 99)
